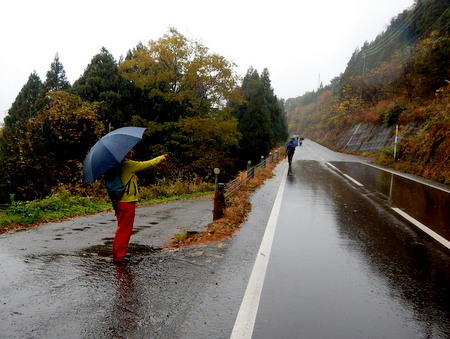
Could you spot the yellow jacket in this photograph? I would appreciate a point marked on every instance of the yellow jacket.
(128, 171)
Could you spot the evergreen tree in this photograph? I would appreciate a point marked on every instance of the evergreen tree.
(100, 79)
(56, 77)
(27, 103)
(254, 119)
(277, 118)
(102, 82)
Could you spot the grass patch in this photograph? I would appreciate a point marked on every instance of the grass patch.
(163, 199)
(175, 188)
(62, 206)
(179, 237)
(56, 207)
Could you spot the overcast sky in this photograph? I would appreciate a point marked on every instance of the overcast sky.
(299, 41)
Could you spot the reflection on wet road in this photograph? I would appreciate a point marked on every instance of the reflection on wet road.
(429, 205)
(344, 266)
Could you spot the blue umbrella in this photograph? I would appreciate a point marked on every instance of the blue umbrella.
(110, 151)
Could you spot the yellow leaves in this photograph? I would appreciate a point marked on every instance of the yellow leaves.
(62, 115)
(221, 244)
(344, 105)
(207, 129)
(176, 68)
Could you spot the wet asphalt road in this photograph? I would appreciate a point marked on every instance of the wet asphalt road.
(58, 280)
(343, 265)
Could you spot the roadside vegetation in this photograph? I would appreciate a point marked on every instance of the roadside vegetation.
(64, 205)
(235, 213)
(194, 106)
(19, 214)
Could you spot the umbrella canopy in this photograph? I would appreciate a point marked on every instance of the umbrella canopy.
(110, 151)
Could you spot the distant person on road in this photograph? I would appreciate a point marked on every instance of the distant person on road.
(294, 141)
(126, 209)
(290, 150)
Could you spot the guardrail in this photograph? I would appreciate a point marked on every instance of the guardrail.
(222, 191)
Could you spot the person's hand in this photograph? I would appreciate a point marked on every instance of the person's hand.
(165, 156)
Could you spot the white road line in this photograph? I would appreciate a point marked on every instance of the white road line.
(345, 175)
(424, 228)
(245, 321)
(332, 166)
(353, 180)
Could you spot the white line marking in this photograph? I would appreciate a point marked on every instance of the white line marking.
(355, 181)
(332, 166)
(245, 321)
(424, 228)
(345, 175)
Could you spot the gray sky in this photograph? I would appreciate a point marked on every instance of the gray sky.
(295, 39)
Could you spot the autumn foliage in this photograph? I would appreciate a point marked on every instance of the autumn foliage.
(175, 87)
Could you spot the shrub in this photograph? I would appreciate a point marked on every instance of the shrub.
(392, 113)
(177, 187)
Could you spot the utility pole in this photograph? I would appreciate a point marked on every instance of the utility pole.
(364, 63)
(363, 70)
(395, 142)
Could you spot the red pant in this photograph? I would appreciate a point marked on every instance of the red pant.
(125, 221)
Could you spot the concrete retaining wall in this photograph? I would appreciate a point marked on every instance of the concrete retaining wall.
(366, 137)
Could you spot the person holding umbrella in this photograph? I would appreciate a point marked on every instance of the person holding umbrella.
(116, 149)
(126, 208)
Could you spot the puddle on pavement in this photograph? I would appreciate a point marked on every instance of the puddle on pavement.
(105, 250)
(81, 229)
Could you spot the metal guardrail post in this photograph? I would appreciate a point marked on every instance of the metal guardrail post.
(216, 193)
(244, 176)
(250, 171)
(219, 201)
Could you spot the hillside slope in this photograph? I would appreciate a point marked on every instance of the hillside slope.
(400, 82)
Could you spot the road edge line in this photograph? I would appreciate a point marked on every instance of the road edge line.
(356, 182)
(424, 228)
(245, 320)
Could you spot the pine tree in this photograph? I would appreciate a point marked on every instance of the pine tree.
(100, 78)
(102, 82)
(28, 102)
(254, 119)
(277, 118)
(56, 77)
